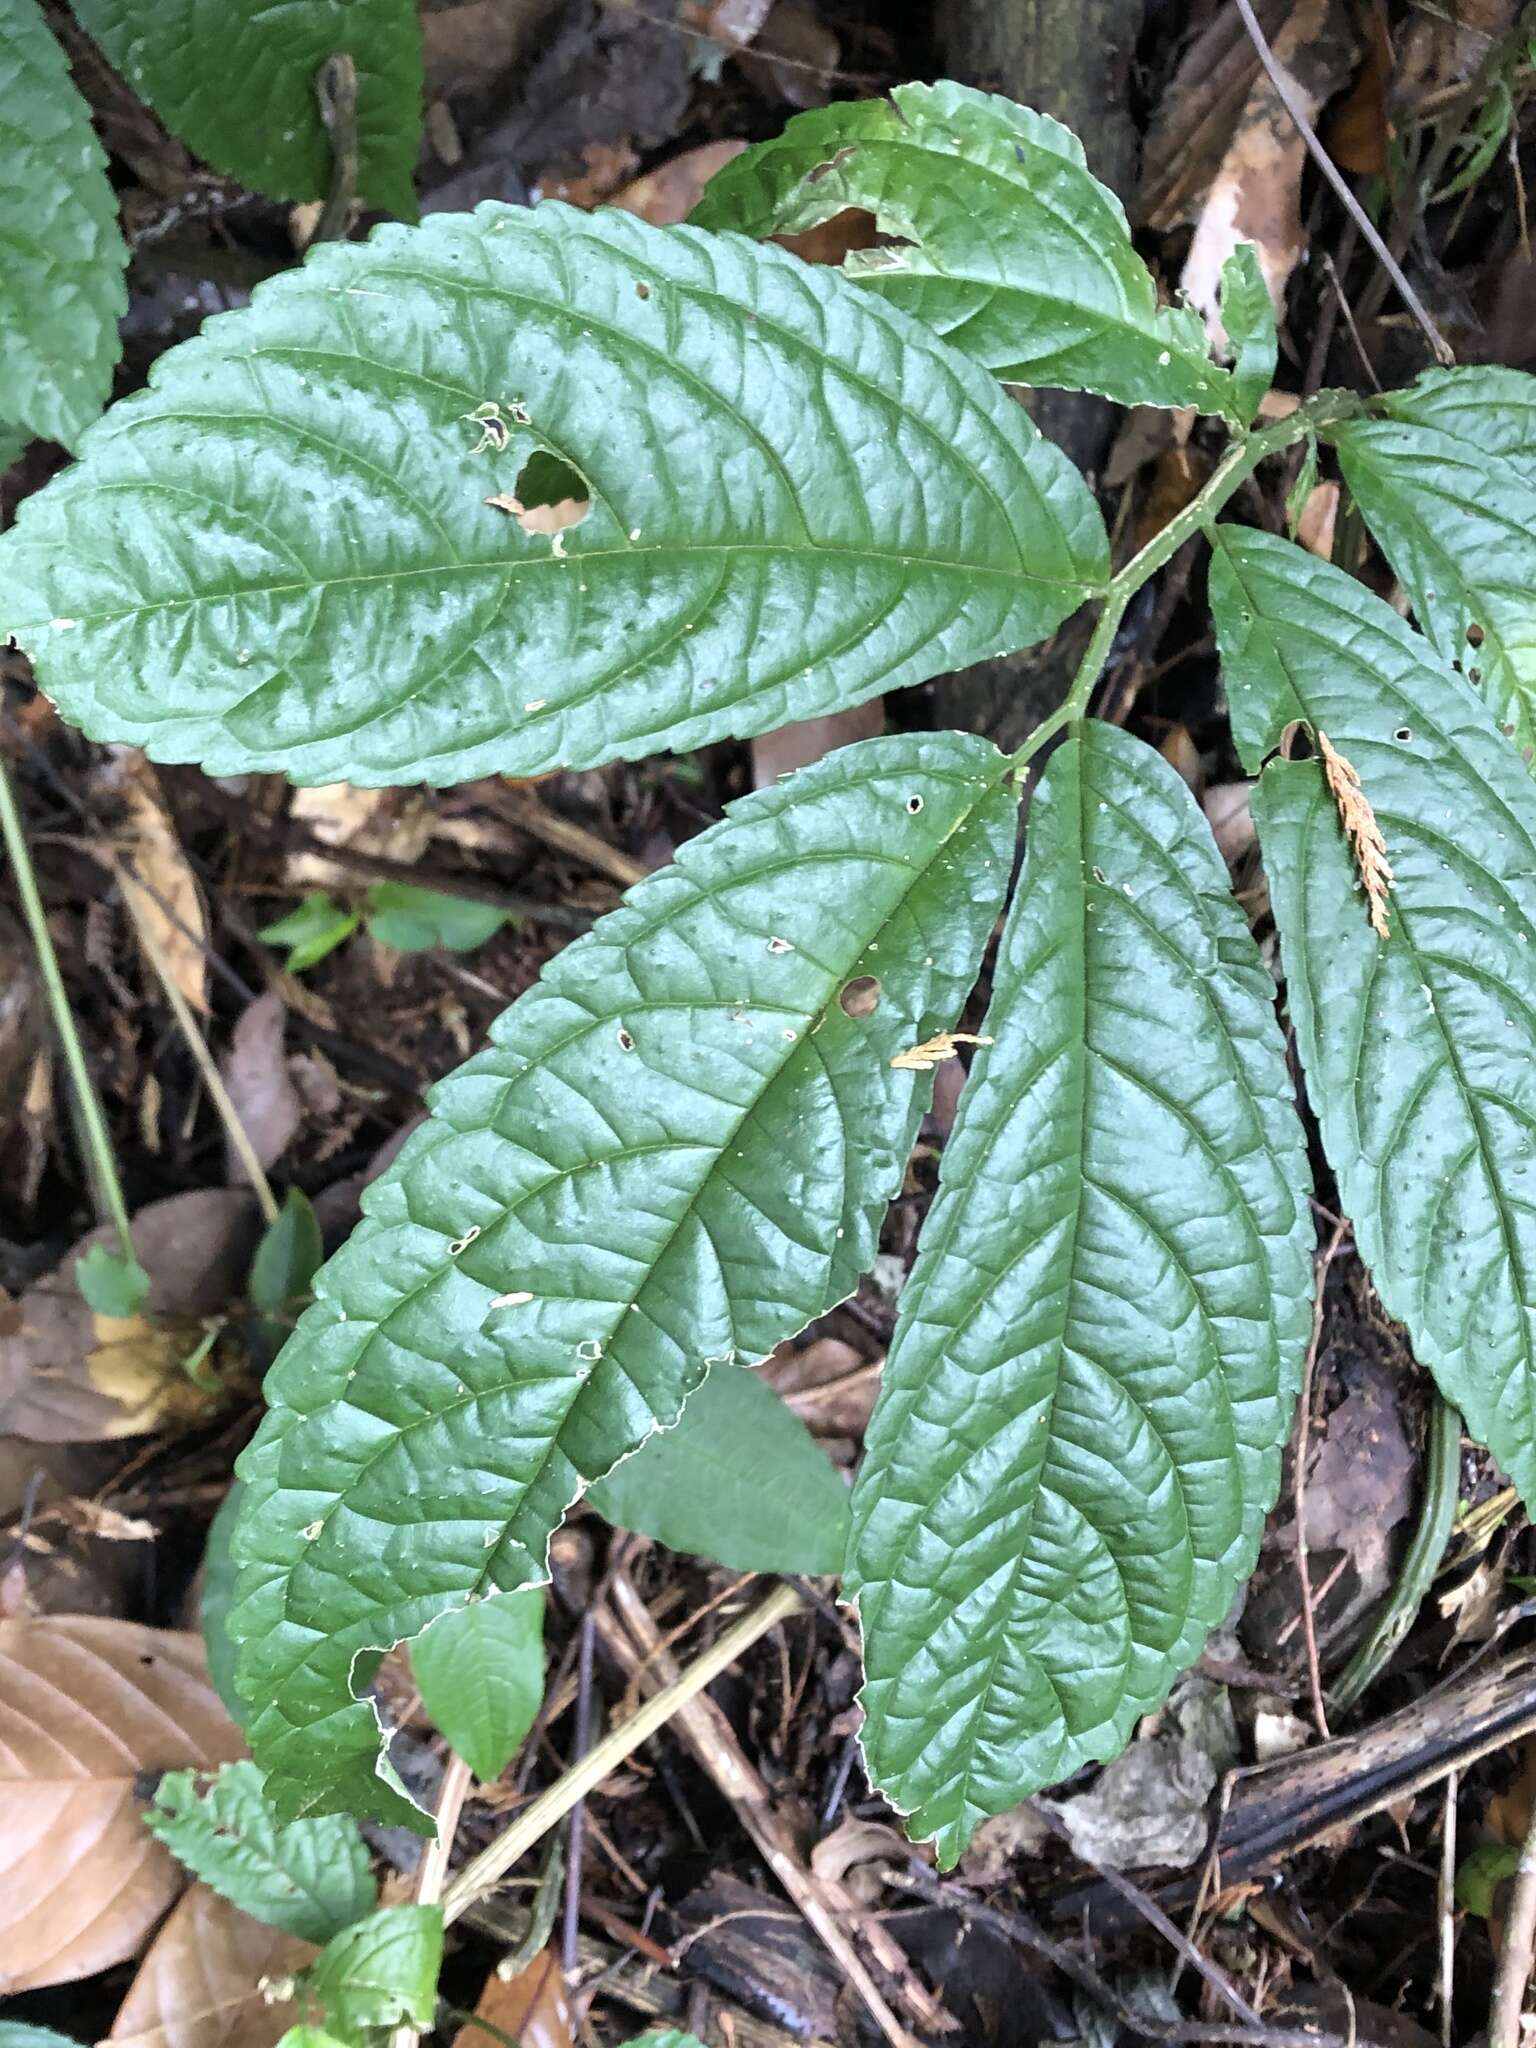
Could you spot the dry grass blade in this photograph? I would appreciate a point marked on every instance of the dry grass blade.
(85, 1706)
(200, 1985)
(1361, 830)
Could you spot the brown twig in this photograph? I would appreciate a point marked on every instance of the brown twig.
(1290, 99)
(1325, 1259)
(523, 810)
(576, 1840)
(1154, 1916)
(1447, 1905)
(828, 1908)
(1015, 1927)
(1515, 1956)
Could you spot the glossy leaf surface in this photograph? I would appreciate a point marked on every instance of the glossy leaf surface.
(64, 256)
(1447, 483)
(235, 79)
(1248, 314)
(282, 555)
(740, 1480)
(309, 1877)
(1014, 251)
(481, 1674)
(677, 1151)
(1081, 1417)
(1420, 1049)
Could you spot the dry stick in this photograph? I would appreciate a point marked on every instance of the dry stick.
(523, 810)
(917, 1878)
(1447, 1904)
(827, 1907)
(181, 1010)
(1515, 1956)
(1154, 1916)
(434, 1861)
(1303, 1446)
(576, 1842)
(1290, 99)
(487, 1869)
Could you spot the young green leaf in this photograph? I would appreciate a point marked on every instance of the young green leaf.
(112, 1283)
(1080, 1422)
(1447, 483)
(1248, 314)
(381, 1972)
(237, 82)
(287, 1258)
(677, 1151)
(1419, 1048)
(219, 1576)
(64, 255)
(310, 930)
(415, 920)
(480, 1671)
(283, 556)
(1014, 251)
(311, 1877)
(307, 2037)
(740, 1480)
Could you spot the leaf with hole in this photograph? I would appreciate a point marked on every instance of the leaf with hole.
(309, 1877)
(1447, 483)
(480, 1672)
(739, 1480)
(238, 82)
(1012, 249)
(1420, 1048)
(382, 1972)
(799, 497)
(64, 252)
(1080, 1422)
(676, 1152)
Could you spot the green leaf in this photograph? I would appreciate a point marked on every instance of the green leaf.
(311, 1877)
(677, 1151)
(1248, 314)
(664, 2037)
(113, 1283)
(237, 83)
(740, 1480)
(64, 255)
(415, 920)
(310, 930)
(14, 442)
(1420, 1050)
(1447, 483)
(219, 1576)
(309, 2037)
(281, 555)
(1014, 252)
(1480, 1875)
(17, 2034)
(381, 1972)
(287, 1258)
(1080, 1421)
(480, 1671)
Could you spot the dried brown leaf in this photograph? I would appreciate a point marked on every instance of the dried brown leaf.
(667, 195)
(199, 1985)
(85, 1706)
(531, 2008)
(156, 870)
(944, 1045)
(255, 1070)
(1255, 195)
(69, 1376)
(1361, 830)
(797, 746)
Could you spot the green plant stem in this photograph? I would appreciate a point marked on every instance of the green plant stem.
(94, 1124)
(496, 1859)
(1442, 1479)
(1229, 475)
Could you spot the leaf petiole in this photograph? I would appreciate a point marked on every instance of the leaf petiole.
(1230, 474)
